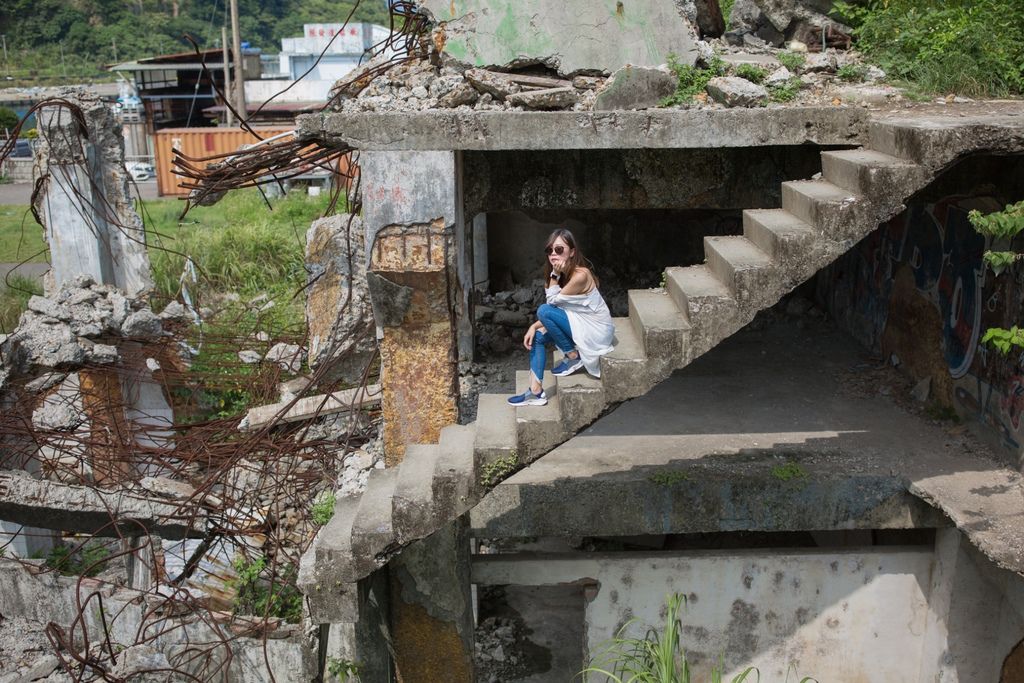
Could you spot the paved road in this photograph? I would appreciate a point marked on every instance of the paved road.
(21, 193)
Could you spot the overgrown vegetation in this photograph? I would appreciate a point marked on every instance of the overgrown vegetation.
(495, 472)
(256, 595)
(50, 39)
(1002, 227)
(323, 508)
(852, 73)
(87, 560)
(972, 47)
(658, 657)
(785, 92)
(692, 80)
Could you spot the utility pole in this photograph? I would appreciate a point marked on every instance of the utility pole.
(3, 36)
(63, 65)
(236, 52)
(113, 44)
(230, 119)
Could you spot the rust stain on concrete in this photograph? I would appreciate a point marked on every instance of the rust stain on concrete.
(431, 650)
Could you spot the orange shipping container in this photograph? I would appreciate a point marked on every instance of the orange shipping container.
(199, 142)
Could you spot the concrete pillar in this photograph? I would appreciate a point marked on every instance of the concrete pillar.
(409, 211)
(432, 608)
(415, 243)
(91, 226)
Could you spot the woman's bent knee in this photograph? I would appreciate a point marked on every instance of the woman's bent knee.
(545, 311)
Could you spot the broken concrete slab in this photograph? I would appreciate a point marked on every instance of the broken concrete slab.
(83, 509)
(654, 128)
(311, 406)
(633, 87)
(733, 91)
(569, 37)
(548, 98)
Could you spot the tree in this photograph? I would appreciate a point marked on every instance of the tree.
(8, 119)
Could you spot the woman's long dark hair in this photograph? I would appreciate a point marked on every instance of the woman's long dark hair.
(571, 263)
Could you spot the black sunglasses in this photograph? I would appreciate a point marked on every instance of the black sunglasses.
(557, 249)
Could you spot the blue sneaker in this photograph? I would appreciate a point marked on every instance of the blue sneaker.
(567, 366)
(528, 398)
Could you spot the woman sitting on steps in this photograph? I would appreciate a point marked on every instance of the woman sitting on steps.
(575, 319)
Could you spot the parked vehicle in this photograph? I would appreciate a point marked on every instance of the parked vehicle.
(140, 170)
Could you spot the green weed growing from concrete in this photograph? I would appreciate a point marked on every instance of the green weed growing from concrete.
(785, 92)
(1001, 226)
(342, 670)
(323, 508)
(495, 472)
(789, 472)
(669, 478)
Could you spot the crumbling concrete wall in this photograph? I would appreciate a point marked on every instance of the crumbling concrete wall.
(342, 335)
(569, 37)
(917, 292)
(90, 223)
(38, 598)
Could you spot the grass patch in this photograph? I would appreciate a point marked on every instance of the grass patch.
(21, 238)
(691, 80)
(669, 478)
(971, 47)
(789, 472)
(785, 92)
(14, 296)
(752, 73)
(852, 73)
(794, 61)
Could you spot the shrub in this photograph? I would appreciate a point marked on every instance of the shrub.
(260, 594)
(974, 47)
(85, 560)
(752, 73)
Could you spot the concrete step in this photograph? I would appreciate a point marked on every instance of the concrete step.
(819, 203)
(778, 233)
(455, 480)
(329, 592)
(495, 429)
(372, 530)
(582, 400)
(413, 504)
(741, 265)
(660, 323)
(624, 370)
(711, 308)
(538, 428)
(869, 173)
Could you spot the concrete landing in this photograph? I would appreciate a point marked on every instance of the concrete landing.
(770, 431)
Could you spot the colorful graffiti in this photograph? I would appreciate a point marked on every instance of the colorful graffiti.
(936, 244)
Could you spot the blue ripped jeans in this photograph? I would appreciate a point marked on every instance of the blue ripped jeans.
(556, 322)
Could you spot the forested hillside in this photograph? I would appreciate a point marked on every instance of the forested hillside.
(97, 32)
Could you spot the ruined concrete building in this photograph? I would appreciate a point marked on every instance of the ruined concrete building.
(798, 430)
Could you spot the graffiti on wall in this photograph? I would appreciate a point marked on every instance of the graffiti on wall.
(917, 288)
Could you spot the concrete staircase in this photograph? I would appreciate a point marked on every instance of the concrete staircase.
(666, 329)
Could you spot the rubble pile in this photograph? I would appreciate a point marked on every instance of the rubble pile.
(72, 328)
(756, 23)
(498, 655)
